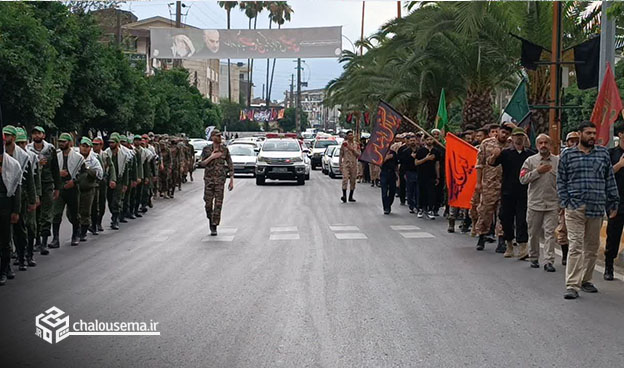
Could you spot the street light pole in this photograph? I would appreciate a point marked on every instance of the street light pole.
(298, 108)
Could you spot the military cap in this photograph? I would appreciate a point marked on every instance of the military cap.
(21, 135)
(123, 138)
(65, 137)
(87, 141)
(215, 132)
(518, 131)
(114, 137)
(9, 129)
(572, 135)
(98, 140)
(136, 136)
(38, 128)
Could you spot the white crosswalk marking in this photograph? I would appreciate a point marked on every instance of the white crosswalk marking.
(284, 236)
(219, 238)
(285, 229)
(350, 236)
(404, 227)
(227, 230)
(417, 235)
(343, 228)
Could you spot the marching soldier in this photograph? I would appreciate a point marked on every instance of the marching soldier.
(137, 191)
(489, 180)
(29, 194)
(88, 182)
(214, 160)
(349, 154)
(71, 165)
(118, 183)
(10, 203)
(30, 217)
(50, 185)
(164, 168)
(99, 198)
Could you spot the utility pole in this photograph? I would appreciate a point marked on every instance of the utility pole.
(398, 9)
(292, 86)
(607, 50)
(554, 113)
(298, 109)
(362, 33)
(178, 24)
(118, 27)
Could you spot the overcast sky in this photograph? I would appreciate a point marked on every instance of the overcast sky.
(307, 13)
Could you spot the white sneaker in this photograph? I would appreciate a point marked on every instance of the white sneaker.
(420, 214)
(430, 215)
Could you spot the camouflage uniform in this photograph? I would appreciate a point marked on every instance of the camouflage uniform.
(164, 170)
(491, 177)
(349, 164)
(214, 180)
(28, 198)
(174, 176)
(190, 152)
(99, 200)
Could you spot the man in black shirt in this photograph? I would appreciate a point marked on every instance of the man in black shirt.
(407, 159)
(388, 179)
(514, 194)
(615, 224)
(428, 177)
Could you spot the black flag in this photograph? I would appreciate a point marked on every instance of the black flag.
(587, 72)
(530, 54)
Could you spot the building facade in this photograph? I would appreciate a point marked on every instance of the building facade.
(319, 115)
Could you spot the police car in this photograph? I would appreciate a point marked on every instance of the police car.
(281, 158)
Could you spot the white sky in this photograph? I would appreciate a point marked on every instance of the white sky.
(307, 13)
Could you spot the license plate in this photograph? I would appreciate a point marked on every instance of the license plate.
(280, 170)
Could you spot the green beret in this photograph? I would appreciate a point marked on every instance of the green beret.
(9, 129)
(518, 131)
(66, 137)
(136, 136)
(87, 141)
(38, 128)
(123, 138)
(21, 135)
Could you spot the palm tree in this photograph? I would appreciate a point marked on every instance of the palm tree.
(251, 9)
(228, 6)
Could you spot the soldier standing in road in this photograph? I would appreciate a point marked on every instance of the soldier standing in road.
(71, 165)
(87, 184)
(137, 191)
(349, 153)
(490, 132)
(118, 184)
(214, 160)
(131, 169)
(10, 203)
(489, 180)
(99, 199)
(50, 185)
(164, 168)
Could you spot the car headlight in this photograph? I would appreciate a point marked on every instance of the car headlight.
(297, 159)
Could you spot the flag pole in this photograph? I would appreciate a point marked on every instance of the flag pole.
(422, 130)
(554, 114)
(362, 33)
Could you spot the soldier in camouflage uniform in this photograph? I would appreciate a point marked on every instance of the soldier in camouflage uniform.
(164, 168)
(99, 199)
(131, 168)
(88, 183)
(349, 153)
(31, 216)
(10, 202)
(190, 153)
(119, 184)
(492, 132)
(489, 179)
(214, 160)
(174, 177)
(137, 191)
(50, 185)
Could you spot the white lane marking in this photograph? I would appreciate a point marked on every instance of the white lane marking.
(284, 237)
(219, 238)
(343, 228)
(228, 230)
(404, 227)
(350, 236)
(278, 229)
(417, 235)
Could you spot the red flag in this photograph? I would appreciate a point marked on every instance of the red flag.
(607, 108)
(388, 120)
(461, 176)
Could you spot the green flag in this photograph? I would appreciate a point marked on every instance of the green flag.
(518, 106)
(442, 116)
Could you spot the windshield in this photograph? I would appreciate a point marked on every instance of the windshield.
(324, 144)
(198, 145)
(336, 152)
(241, 150)
(330, 150)
(279, 145)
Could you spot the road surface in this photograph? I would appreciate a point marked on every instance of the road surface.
(298, 279)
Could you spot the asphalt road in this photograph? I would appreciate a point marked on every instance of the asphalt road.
(298, 279)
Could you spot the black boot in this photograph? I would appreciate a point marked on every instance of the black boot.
(564, 254)
(121, 218)
(93, 229)
(136, 213)
(344, 196)
(55, 236)
(130, 216)
(501, 245)
(608, 273)
(75, 236)
(481, 242)
(351, 199)
(114, 223)
(451, 227)
(43, 249)
(83, 232)
(99, 226)
(30, 260)
(5, 259)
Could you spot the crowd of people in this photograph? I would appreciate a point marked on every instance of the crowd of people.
(524, 198)
(40, 181)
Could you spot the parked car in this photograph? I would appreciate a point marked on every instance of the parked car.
(326, 158)
(334, 164)
(256, 144)
(243, 158)
(318, 149)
